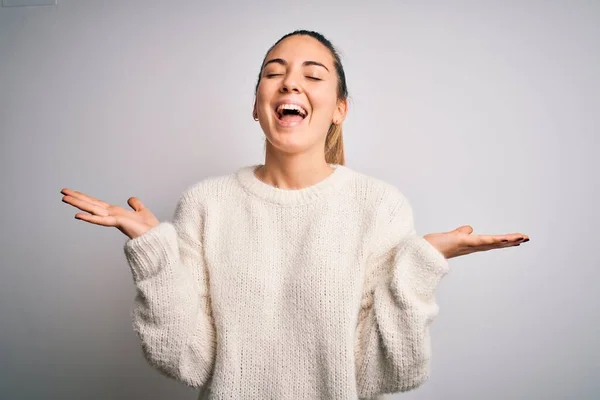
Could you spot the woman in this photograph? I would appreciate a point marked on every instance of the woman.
(295, 279)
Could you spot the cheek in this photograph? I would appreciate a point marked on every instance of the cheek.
(323, 105)
(263, 97)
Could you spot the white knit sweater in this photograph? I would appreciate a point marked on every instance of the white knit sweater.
(256, 292)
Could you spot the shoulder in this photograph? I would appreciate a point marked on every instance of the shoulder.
(384, 196)
(212, 187)
(200, 196)
(392, 214)
(390, 211)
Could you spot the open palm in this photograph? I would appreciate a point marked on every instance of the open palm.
(461, 241)
(131, 223)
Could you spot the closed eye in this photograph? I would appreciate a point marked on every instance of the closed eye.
(308, 77)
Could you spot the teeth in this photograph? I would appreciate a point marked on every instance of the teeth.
(282, 107)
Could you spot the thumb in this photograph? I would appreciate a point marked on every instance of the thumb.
(136, 204)
(465, 229)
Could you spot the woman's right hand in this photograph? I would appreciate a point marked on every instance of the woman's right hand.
(132, 223)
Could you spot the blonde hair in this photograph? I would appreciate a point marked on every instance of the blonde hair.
(334, 145)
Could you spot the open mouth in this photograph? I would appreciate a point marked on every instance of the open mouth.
(290, 114)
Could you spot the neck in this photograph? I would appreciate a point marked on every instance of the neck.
(295, 172)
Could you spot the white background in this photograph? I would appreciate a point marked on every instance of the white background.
(481, 112)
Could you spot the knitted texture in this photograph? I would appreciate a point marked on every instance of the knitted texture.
(257, 292)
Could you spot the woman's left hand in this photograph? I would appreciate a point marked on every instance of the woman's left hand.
(460, 241)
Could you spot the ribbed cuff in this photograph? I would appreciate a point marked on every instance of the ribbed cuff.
(411, 379)
(420, 267)
(148, 253)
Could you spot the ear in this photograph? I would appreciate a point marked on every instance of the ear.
(341, 109)
(254, 111)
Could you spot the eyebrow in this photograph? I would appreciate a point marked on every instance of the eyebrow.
(305, 63)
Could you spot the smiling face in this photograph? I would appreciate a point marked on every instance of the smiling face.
(297, 96)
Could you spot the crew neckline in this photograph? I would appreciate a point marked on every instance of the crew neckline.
(249, 181)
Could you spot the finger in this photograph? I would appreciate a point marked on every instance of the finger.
(96, 219)
(136, 204)
(509, 238)
(480, 240)
(489, 242)
(465, 229)
(477, 243)
(518, 239)
(500, 245)
(85, 197)
(506, 244)
(85, 206)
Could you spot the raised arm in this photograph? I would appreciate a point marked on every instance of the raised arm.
(172, 313)
(393, 347)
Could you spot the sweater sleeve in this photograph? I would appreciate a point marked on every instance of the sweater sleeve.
(393, 345)
(172, 313)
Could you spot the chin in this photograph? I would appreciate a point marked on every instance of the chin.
(292, 145)
(289, 146)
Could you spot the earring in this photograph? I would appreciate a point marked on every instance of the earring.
(255, 118)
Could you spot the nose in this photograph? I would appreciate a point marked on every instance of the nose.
(289, 84)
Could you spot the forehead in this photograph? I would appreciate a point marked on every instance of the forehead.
(301, 48)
